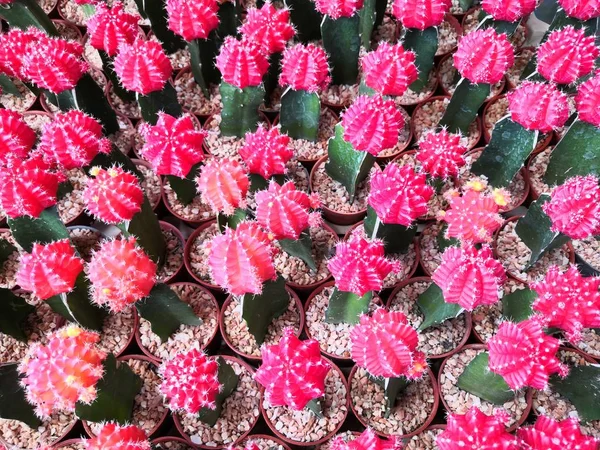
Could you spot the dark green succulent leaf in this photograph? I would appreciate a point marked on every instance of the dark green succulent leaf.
(346, 307)
(479, 380)
(157, 101)
(341, 40)
(315, 406)
(465, 5)
(44, 229)
(396, 238)
(6, 250)
(300, 114)
(392, 388)
(424, 44)
(546, 10)
(6, 84)
(13, 402)
(240, 109)
(306, 19)
(518, 306)
(145, 227)
(300, 248)
(444, 243)
(238, 216)
(434, 309)
(582, 388)
(14, 311)
(229, 380)
(202, 54)
(185, 188)
(27, 13)
(115, 158)
(367, 22)
(464, 106)
(155, 12)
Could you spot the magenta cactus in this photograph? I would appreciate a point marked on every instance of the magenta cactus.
(551, 434)
(338, 8)
(266, 152)
(224, 185)
(193, 19)
(420, 14)
(16, 138)
(509, 10)
(389, 69)
(305, 67)
(293, 371)
(242, 63)
(269, 27)
(368, 440)
(582, 10)
(13, 46)
(118, 437)
(441, 154)
(588, 100)
(110, 27)
(538, 106)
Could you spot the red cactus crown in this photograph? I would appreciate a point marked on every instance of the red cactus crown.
(568, 301)
(28, 186)
(63, 372)
(480, 431)
(72, 140)
(16, 138)
(509, 10)
(224, 185)
(193, 19)
(269, 27)
(113, 195)
(538, 106)
(110, 27)
(266, 151)
(395, 353)
(389, 69)
(399, 195)
(305, 67)
(118, 437)
(173, 146)
(368, 440)
(567, 55)
(372, 124)
(142, 66)
(441, 154)
(49, 269)
(242, 62)
(338, 8)
(421, 14)
(524, 355)
(292, 372)
(582, 10)
(550, 434)
(588, 100)
(573, 207)
(246, 253)
(360, 266)
(469, 277)
(14, 44)
(190, 381)
(484, 56)
(121, 274)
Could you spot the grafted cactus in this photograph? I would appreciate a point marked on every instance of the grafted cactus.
(110, 27)
(588, 101)
(338, 8)
(118, 437)
(13, 45)
(224, 185)
(192, 19)
(509, 10)
(441, 154)
(551, 434)
(266, 152)
(269, 27)
(305, 67)
(420, 14)
(16, 138)
(582, 10)
(390, 69)
(538, 106)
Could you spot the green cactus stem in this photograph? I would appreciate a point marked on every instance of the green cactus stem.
(341, 39)
(347, 307)
(300, 248)
(157, 101)
(27, 13)
(434, 308)
(392, 389)
(306, 19)
(118, 89)
(424, 44)
(240, 109)
(581, 388)
(368, 16)
(396, 238)
(501, 26)
(464, 106)
(478, 380)
(185, 188)
(155, 12)
(44, 229)
(300, 114)
(518, 306)
(202, 57)
(13, 401)
(14, 311)
(229, 380)
(8, 86)
(271, 78)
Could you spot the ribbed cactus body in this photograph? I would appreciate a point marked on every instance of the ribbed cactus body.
(524, 355)
(13, 46)
(338, 8)
(266, 152)
(269, 27)
(509, 10)
(368, 440)
(420, 14)
(121, 274)
(372, 124)
(173, 146)
(588, 100)
(242, 63)
(568, 301)
(389, 69)
(113, 195)
(550, 434)
(305, 67)
(484, 56)
(395, 353)
(567, 54)
(63, 372)
(469, 277)
(142, 66)
(292, 372)
(49, 269)
(16, 138)
(192, 19)
(110, 27)
(118, 437)
(538, 106)
(441, 154)
(190, 381)
(582, 10)
(224, 185)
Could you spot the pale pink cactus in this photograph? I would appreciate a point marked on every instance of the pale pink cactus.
(113, 195)
(292, 372)
(223, 184)
(241, 259)
(420, 14)
(190, 381)
(63, 372)
(305, 67)
(360, 266)
(338, 8)
(389, 69)
(567, 55)
(49, 269)
(28, 186)
(441, 154)
(368, 440)
(484, 56)
(269, 27)
(472, 217)
(110, 27)
(386, 346)
(574, 208)
(72, 140)
(568, 301)
(193, 19)
(266, 151)
(477, 431)
(113, 436)
(582, 10)
(372, 124)
(399, 195)
(173, 146)
(120, 274)
(142, 67)
(588, 100)
(509, 10)
(242, 63)
(469, 277)
(14, 44)
(16, 138)
(538, 106)
(524, 355)
(550, 434)
(285, 212)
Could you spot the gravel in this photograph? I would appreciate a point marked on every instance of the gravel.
(85, 240)
(8, 270)
(117, 329)
(447, 76)
(537, 170)
(339, 96)
(335, 196)
(521, 60)
(19, 104)
(429, 250)
(172, 445)
(199, 252)
(47, 5)
(263, 443)
(347, 436)
(73, 446)
(130, 109)
(151, 184)
(588, 250)
(447, 38)
(411, 97)
(424, 440)
(124, 137)
(385, 32)
(67, 31)
(192, 98)
(179, 59)
(221, 146)
(36, 120)
(312, 151)
(174, 255)
(18, 434)
(196, 211)
(72, 205)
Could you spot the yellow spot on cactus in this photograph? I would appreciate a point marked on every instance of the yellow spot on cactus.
(271, 236)
(73, 331)
(475, 185)
(70, 379)
(106, 291)
(94, 171)
(112, 172)
(500, 197)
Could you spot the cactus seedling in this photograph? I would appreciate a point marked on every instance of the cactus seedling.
(441, 154)
(584, 10)
(224, 185)
(16, 138)
(118, 437)
(551, 434)
(266, 152)
(588, 101)
(368, 440)
(389, 70)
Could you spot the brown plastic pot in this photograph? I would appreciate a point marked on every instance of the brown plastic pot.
(468, 318)
(141, 162)
(528, 395)
(320, 441)
(58, 22)
(436, 402)
(32, 112)
(149, 354)
(273, 439)
(338, 107)
(186, 256)
(170, 439)
(222, 326)
(179, 426)
(66, 443)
